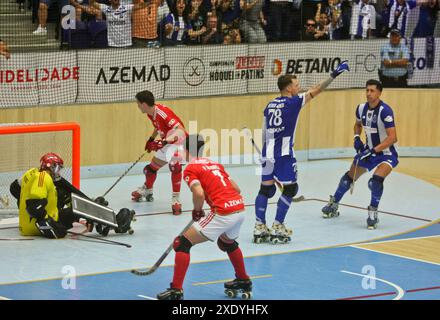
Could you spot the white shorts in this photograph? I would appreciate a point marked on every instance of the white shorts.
(168, 152)
(214, 225)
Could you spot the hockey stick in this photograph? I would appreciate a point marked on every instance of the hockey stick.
(354, 177)
(139, 272)
(15, 239)
(279, 185)
(100, 239)
(125, 173)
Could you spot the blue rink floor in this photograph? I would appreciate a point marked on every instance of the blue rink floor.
(334, 273)
(321, 262)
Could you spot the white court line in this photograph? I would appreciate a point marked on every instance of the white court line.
(394, 240)
(146, 297)
(400, 291)
(396, 255)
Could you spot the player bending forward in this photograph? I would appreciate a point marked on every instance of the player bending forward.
(209, 181)
(279, 162)
(172, 133)
(377, 119)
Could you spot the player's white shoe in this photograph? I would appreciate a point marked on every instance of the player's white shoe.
(280, 233)
(372, 220)
(40, 31)
(141, 194)
(261, 233)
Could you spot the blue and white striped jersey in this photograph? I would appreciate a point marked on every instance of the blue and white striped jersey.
(375, 121)
(279, 125)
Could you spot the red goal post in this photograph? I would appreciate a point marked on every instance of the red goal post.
(22, 145)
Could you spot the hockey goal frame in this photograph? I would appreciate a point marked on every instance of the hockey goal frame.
(18, 128)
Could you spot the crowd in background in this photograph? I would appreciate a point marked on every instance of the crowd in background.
(156, 23)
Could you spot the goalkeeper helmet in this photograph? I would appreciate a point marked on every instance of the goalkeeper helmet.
(53, 162)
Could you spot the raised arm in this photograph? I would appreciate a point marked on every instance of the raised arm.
(321, 86)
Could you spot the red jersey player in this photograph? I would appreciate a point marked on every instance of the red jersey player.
(172, 133)
(209, 181)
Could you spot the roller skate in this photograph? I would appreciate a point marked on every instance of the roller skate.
(142, 193)
(239, 286)
(261, 233)
(372, 220)
(177, 208)
(280, 234)
(171, 294)
(331, 209)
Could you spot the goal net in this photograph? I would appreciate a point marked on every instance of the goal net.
(21, 147)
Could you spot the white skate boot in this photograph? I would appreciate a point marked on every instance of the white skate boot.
(279, 233)
(372, 220)
(261, 233)
(141, 194)
(331, 209)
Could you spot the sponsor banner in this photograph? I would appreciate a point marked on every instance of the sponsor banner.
(426, 62)
(208, 70)
(118, 74)
(39, 78)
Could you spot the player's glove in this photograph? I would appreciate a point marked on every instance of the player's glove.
(148, 144)
(358, 144)
(365, 154)
(155, 145)
(198, 214)
(343, 66)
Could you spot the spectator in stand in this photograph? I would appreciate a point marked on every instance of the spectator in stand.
(230, 13)
(402, 17)
(334, 13)
(323, 24)
(382, 17)
(197, 19)
(162, 13)
(363, 20)
(428, 18)
(118, 17)
(309, 30)
(280, 20)
(394, 62)
(252, 21)
(144, 31)
(4, 50)
(177, 26)
(42, 14)
(212, 34)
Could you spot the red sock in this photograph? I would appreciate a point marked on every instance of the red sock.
(150, 176)
(176, 178)
(181, 263)
(236, 258)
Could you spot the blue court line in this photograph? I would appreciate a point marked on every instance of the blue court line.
(303, 275)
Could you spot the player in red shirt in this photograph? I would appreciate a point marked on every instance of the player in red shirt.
(172, 133)
(209, 181)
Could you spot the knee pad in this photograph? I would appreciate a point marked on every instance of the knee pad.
(182, 244)
(51, 229)
(346, 180)
(148, 169)
(290, 190)
(376, 183)
(267, 191)
(175, 168)
(227, 247)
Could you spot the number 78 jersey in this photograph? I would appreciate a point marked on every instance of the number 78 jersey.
(219, 192)
(279, 126)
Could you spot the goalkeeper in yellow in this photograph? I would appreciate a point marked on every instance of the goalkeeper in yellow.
(41, 209)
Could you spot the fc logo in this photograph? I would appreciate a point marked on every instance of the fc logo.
(194, 72)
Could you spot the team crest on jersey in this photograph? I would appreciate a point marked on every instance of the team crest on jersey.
(389, 119)
(374, 119)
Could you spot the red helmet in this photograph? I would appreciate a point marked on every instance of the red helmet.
(53, 162)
